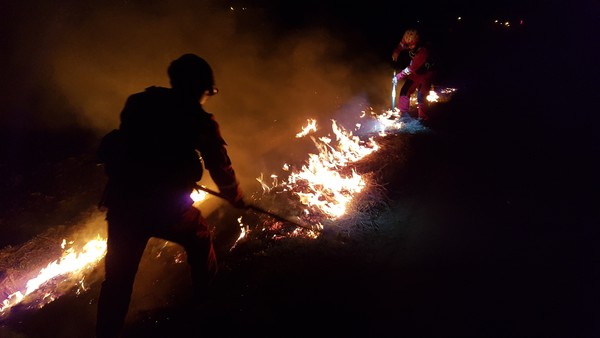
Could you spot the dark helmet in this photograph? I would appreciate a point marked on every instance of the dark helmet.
(191, 72)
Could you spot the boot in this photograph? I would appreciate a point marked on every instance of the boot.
(422, 109)
(403, 106)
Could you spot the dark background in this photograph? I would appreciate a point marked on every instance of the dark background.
(493, 222)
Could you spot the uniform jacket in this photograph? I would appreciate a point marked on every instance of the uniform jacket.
(166, 142)
(420, 59)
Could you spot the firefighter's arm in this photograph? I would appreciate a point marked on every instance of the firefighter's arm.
(218, 164)
(223, 174)
(397, 51)
(418, 60)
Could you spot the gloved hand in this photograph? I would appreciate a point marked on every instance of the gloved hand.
(234, 196)
(402, 75)
(397, 51)
(239, 203)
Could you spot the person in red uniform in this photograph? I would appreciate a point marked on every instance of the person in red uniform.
(164, 142)
(417, 75)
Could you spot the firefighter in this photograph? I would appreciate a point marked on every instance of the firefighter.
(417, 75)
(153, 161)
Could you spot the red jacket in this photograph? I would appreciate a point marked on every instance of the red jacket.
(421, 60)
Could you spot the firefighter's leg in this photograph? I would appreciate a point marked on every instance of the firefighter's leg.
(403, 106)
(123, 255)
(407, 89)
(422, 103)
(194, 235)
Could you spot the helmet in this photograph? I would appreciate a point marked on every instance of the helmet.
(410, 37)
(191, 72)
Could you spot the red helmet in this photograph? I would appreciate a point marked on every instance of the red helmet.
(410, 37)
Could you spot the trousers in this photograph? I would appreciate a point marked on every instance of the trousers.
(128, 234)
(414, 82)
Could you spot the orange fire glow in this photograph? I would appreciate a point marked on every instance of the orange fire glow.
(71, 265)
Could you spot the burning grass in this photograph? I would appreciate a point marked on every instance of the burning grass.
(326, 193)
(336, 196)
(50, 265)
(376, 167)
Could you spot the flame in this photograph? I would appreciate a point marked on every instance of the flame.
(325, 187)
(433, 96)
(319, 184)
(70, 263)
(389, 121)
(310, 127)
(68, 270)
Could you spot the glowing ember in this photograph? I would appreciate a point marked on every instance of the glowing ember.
(71, 263)
(243, 230)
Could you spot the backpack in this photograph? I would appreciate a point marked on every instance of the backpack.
(122, 162)
(112, 152)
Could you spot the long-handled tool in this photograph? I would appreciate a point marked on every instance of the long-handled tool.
(394, 83)
(259, 209)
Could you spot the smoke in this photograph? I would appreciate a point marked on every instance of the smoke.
(73, 65)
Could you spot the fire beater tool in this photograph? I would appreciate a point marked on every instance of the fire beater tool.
(258, 209)
(394, 83)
